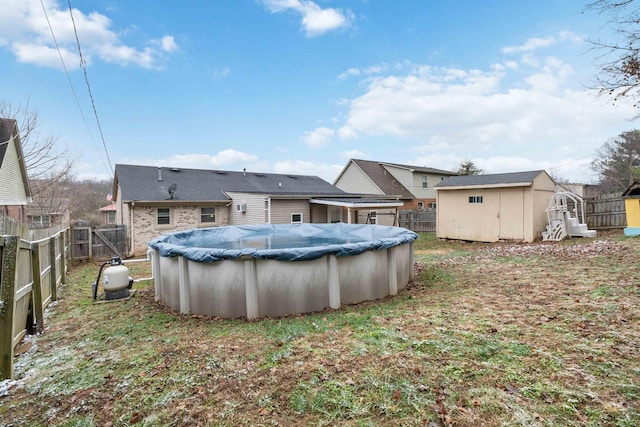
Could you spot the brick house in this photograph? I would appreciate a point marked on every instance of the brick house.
(154, 200)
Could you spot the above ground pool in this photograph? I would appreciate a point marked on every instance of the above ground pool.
(274, 270)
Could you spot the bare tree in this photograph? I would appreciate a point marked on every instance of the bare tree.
(43, 157)
(619, 59)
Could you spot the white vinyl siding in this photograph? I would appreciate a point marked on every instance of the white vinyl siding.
(353, 180)
(281, 210)
(12, 187)
(254, 208)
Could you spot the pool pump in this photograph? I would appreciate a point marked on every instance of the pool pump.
(116, 281)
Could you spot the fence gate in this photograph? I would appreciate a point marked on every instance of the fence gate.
(98, 243)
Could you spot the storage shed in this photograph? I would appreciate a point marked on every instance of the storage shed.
(489, 208)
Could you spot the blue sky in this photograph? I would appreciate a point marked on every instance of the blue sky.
(301, 86)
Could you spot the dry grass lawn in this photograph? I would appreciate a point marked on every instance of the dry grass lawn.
(543, 334)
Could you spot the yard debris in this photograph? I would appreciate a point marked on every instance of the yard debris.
(557, 250)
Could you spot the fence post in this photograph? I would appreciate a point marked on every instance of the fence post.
(9, 261)
(63, 261)
(37, 287)
(52, 271)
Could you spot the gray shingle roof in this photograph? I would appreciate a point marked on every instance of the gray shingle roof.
(423, 169)
(151, 183)
(490, 179)
(384, 180)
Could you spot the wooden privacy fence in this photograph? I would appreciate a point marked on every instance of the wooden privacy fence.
(33, 264)
(607, 211)
(418, 220)
(98, 243)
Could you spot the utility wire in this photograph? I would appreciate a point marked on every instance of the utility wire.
(66, 72)
(83, 64)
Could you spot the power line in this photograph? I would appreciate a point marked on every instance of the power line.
(83, 64)
(66, 72)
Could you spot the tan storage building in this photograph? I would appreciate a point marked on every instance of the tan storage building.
(489, 208)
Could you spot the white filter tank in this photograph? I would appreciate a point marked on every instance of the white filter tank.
(115, 278)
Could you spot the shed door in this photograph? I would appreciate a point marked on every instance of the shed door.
(511, 214)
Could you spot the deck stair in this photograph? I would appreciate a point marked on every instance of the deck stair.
(565, 217)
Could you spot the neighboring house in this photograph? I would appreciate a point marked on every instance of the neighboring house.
(488, 208)
(154, 200)
(49, 205)
(413, 185)
(108, 214)
(15, 192)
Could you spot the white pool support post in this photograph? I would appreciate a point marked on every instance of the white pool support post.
(251, 287)
(333, 279)
(412, 272)
(157, 276)
(392, 268)
(183, 285)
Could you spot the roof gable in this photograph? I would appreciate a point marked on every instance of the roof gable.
(11, 155)
(389, 185)
(498, 179)
(151, 183)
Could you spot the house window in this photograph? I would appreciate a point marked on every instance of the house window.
(296, 218)
(164, 216)
(425, 181)
(420, 205)
(475, 199)
(432, 205)
(207, 214)
(372, 218)
(111, 217)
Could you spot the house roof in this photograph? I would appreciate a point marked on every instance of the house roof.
(383, 179)
(150, 183)
(490, 180)
(8, 129)
(422, 169)
(108, 208)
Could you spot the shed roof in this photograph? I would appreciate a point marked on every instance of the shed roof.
(152, 183)
(490, 180)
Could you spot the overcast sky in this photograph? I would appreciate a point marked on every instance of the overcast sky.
(301, 86)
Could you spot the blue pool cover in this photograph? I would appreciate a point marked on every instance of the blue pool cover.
(285, 242)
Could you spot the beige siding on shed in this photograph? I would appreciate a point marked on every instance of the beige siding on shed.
(506, 213)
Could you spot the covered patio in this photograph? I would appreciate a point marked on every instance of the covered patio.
(358, 210)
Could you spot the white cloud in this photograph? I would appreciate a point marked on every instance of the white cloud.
(536, 43)
(315, 20)
(326, 172)
(25, 31)
(352, 154)
(221, 73)
(517, 115)
(319, 137)
(168, 44)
